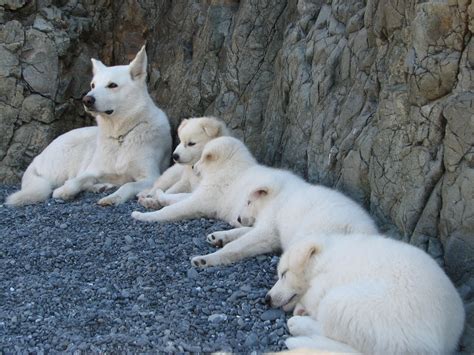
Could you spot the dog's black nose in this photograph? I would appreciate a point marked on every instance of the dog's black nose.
(175, 156)
(88, 100)
(268, 299)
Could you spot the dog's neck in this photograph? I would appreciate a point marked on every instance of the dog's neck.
(120, 126)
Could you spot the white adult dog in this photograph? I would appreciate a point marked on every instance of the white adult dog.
(172, 186)
(369, 294)
(130, 146)
(283, 208)
(224, 170)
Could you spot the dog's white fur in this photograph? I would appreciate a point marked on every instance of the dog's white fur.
(283, 208)
(224, 168)
(367, 293)
(194, 134)
(129, 147)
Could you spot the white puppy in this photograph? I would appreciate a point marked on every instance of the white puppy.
(283, 208)
(369, 294)
(224, 169)
(194, 134)
(130, 146)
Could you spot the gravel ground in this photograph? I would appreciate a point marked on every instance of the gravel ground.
(77, 276)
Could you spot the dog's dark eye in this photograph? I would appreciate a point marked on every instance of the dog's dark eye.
(248, 203)
(190, 144)
(93, 85)
(112, 85)
(283, 274)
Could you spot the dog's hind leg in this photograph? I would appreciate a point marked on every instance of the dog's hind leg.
(34, 188)
(75, 185)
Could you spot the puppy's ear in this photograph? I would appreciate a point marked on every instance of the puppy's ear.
(212, 127)
(137, 66)
(210, 156)
(302, 254)
(97, 66)
(182, 124)
(259, 192)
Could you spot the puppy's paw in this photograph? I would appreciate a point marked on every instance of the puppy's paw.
(160, 196)
(299, 343)
(62, 193)
(200, 261)
(215, 240)
(110, 200)
(303, 325)
(140, 216)
(143, 193)
(149, 202)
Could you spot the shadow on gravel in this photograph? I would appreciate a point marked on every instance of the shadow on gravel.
(77, 276)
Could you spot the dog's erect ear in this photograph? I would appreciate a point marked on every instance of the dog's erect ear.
(212, 127)
(302, 253)
(97, 65)
(182, 124)
(138, 65)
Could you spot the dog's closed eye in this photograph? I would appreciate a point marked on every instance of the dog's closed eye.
(112, 86)
(190, 144)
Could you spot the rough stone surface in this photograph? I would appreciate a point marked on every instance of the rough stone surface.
(372, 97)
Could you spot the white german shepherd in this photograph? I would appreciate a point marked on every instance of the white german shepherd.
(130, 146)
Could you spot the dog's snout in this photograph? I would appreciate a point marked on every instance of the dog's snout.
(268, 299)
(88, 100)
(239, 219)
(175, 156)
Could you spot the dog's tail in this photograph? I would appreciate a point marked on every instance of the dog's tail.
(34, 188)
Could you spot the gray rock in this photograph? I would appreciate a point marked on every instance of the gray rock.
(251, 340)
(272, 314)
(217, 318)
(192, 273)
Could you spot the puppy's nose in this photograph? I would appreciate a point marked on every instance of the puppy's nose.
(175, 156)
(239, 220)
(88, 100)
(268, 299)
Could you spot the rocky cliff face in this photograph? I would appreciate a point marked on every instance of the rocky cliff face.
(375, 98)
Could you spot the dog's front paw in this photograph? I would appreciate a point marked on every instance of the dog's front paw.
(144, 193)
(201, 261)
(215, 240)
(140, 216)
(110, 200)
(303, 325)
(149, 202)
(299, 342)
(160, 196)
(62, 193)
